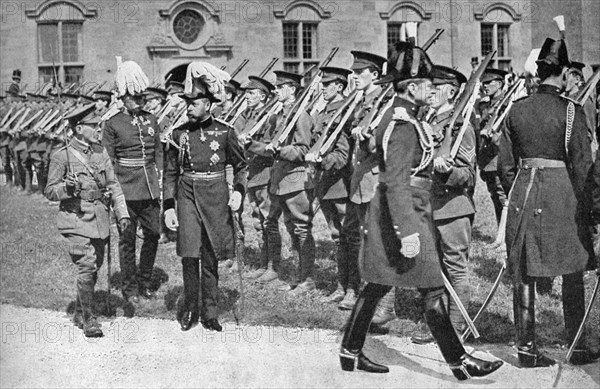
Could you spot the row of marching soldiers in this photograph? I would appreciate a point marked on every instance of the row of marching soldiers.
(390, 161)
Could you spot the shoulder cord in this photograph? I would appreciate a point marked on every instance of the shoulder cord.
(425, 140)
(569, 129)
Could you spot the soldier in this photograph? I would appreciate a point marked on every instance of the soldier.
(399, 247)
(132, 140)
(545, 157)
(257, 92)
(492, 82)
(290, 189)
(333, 171)
(81, 177)
(452, 197)
(103, 100)
(155, 98)
(15, 86)
(232, 89)
(575, 82)
(195, 177)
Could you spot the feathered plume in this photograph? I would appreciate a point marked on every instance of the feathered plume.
(530, 65)
(560, 23)
(130, 78)
(214, 77)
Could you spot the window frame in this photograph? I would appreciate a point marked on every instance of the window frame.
(299, 62)
(497, 60)
(59, 62)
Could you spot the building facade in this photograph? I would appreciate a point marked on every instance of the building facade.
(77, 41)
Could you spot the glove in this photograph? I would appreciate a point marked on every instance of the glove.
(171, 219)
(235, 201)
(72, 183)
(411, 245)
(124, 224)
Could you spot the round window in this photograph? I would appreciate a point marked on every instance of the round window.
(187, 26)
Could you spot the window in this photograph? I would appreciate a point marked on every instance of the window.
(299, 46)
(187, 26)
(60, 44)
(494, 36)
(396, 32)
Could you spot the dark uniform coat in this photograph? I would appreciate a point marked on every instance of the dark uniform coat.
(86, 213)
(366, 168)
(400, 209)
(549, 227)
(487, 154)
(202, 204)
(333, 173)
(128, 138)
(452, 193)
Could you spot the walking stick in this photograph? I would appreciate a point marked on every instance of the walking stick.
(585, 316)
(239, 252)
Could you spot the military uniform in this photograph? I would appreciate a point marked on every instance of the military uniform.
(546, 232)
(133, 143)
(83, 218)
(199, 187)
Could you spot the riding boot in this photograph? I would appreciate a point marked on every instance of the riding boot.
(191, 289)
(463, 365)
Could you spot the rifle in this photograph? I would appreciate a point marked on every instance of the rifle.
(354, 97)
(273, 110)
(223, 67)
(18, 123)
(5, 118)
(50, 114)
(436, 35)
(465, 98)
(242, 97)
(31, 119)
(584, 94)
(491, 124)
(95, 88)
(300, 105)
(332, 138)
(13, 118)
(239, 68)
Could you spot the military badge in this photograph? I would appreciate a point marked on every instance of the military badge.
(150, 131)
(214, 145)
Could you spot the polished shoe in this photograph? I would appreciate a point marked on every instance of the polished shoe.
(188, 319)
(92, 329)
(335, 297)
(212, 324)
(303, 288)
(147, 294)
(254, 274)
(422, 335)
(583, 356)
(350, 361)
(383, 316)
(78, 320)
(349, 300)
(268, 276)
(530, 356)
(468, 367)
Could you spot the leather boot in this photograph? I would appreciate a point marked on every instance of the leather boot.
(463, 365)
(524, 312)
(385, 309)
(355, 333)
(191, 288)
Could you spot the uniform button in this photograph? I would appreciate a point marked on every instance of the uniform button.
(517, 209)
(446, 190)
(538, 211)
(191, 164)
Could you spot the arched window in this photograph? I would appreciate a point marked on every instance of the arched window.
(60, 39)
(398, 15)
(496, 20)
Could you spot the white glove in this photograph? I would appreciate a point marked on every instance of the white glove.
(235, 201)
(171, 219)
(411, 245)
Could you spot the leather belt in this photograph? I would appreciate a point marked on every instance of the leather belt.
(540, 163)
(91, 195)
(133, 162)
(204, 175)
(421, 183)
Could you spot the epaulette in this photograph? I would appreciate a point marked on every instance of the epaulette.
(223, 122)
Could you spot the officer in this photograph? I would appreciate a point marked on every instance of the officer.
(492, 82)
(545, 157)
(333, 171)
(452, 196)
(399, 247)
(132, 139)
(195, 178)
(82, 178)
(257, 92)
(290, 189)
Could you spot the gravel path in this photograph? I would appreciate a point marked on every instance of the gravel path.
(41, 348)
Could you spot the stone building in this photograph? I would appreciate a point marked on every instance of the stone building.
(81, 38)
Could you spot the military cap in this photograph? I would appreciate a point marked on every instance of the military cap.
(491, 74)
(103, 95)
(199, 91)
(35, 97)
(554, 52)
(331, 73)
(86, 98)
(577, 67)
(363, 60)
(595, 66)
(16, 74)
(255, 82)
(284, 77)
(84, 115)
(232, 85)
(69, 95)
(155, 93)
(445, 75)
(405, 62)
(175, 87)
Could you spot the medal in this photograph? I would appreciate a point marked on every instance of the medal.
(214, 145)
(150, 131)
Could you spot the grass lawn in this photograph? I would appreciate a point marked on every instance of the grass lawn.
(36, 271)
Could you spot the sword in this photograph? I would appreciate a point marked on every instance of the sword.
(239, 253)
(460, 306)
(585, 316)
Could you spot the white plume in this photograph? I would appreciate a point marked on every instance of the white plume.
(214, 77)
(530, 65)
(129, 78)
(560, 22)
(411, 30)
